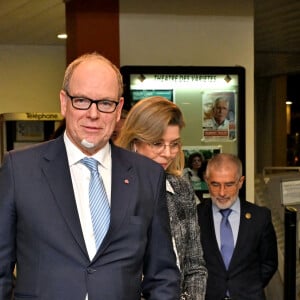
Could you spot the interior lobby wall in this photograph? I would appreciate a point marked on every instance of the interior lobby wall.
(31, 77)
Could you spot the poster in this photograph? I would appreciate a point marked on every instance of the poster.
(219, 116)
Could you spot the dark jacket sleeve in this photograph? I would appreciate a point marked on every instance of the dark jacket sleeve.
(7, 231)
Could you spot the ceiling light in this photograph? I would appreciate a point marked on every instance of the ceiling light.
(62, 36)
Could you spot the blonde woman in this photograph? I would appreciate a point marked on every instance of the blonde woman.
(152, 128)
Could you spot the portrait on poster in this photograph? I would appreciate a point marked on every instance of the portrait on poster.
(219, 116)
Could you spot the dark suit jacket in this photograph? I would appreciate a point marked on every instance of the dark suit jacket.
(40, 230)
(254, 259)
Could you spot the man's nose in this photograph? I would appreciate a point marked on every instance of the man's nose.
(222, 190)
(93, 110)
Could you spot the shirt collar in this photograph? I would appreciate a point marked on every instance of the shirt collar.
(169, 187)
(217, 124)
(235, 207)
(75, 154)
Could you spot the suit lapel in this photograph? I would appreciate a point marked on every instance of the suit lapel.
(56, 169)
(123, 187)
(214, 250)
(244, 227)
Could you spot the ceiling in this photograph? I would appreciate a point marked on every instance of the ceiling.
(277, 36)
(276, 28)
(31, 22)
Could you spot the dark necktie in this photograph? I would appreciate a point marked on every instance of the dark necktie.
(99, 206)
(227, 242)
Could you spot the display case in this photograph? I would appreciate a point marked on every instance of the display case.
(211, 98)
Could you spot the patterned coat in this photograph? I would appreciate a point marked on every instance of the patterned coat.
(186, 236)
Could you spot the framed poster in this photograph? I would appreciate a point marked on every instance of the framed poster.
(212, 100)
(196, 158)
(218, 113)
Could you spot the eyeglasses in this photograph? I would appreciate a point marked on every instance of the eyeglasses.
(226, 186)
(83, 103)
(159, 147)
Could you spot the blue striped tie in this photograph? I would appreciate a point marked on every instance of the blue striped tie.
(227, 242)
(99, 206)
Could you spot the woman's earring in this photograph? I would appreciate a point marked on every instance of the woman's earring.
(134, 148)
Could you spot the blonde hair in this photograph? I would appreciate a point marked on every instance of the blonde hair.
(86, 57)
(147, 121)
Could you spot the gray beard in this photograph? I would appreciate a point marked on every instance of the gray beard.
(87, 144)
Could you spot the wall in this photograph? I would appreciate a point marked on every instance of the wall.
(31, 77)
(194, 33)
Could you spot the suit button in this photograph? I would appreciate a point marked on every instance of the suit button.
(91, 271)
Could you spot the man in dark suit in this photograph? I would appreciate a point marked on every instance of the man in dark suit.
(248, 237)
(46, 224)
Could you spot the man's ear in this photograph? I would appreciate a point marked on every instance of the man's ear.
(119, 108)
(63, 102)
(205, 178)
(241, 181)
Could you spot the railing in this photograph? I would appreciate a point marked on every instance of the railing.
(272, 170)
(268, 193)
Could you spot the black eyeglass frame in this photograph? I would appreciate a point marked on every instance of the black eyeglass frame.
(116, 103)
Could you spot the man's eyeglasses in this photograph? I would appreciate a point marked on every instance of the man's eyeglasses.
(83, 103)
(159, 147)
(226, 186)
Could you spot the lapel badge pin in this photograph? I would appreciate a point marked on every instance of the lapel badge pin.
(126, 181)
(248, 216)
